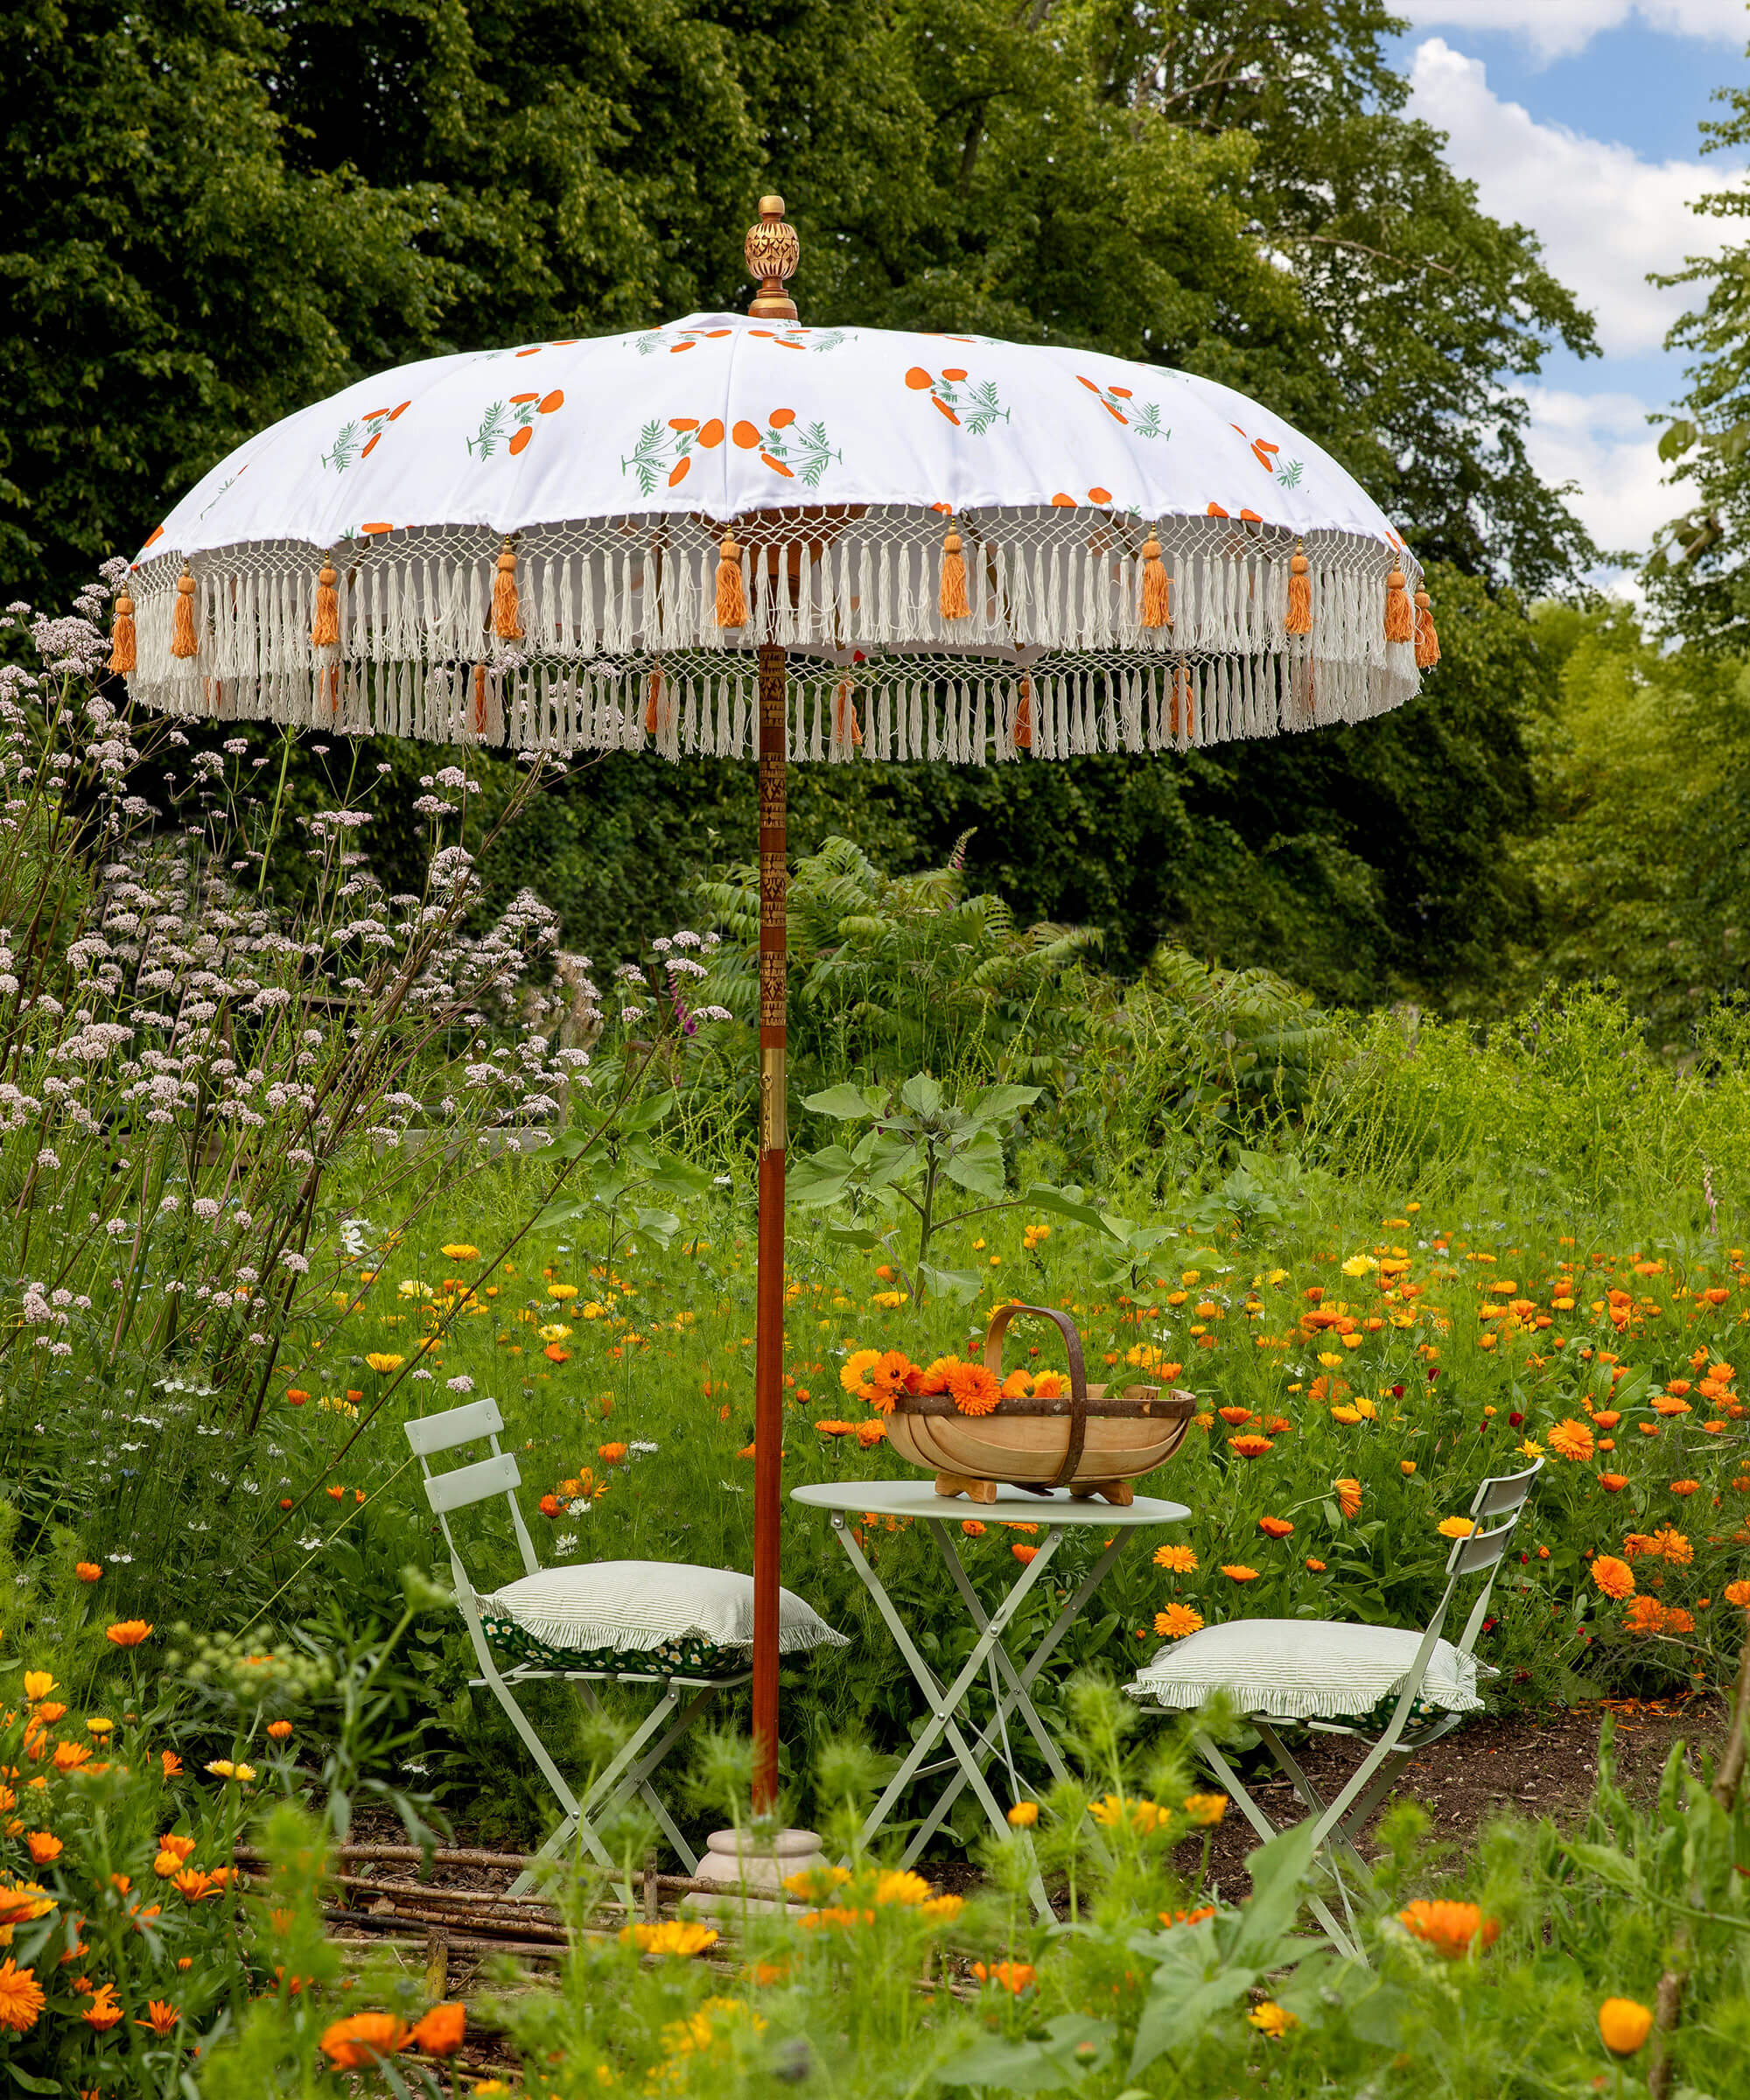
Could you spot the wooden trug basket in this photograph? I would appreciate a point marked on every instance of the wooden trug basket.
(1090, 1441)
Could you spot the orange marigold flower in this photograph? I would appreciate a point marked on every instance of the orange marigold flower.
(1249, 1446)
(192, 1885)
(1052, 1385)
(1623, 2023)
(1348, 1497)
(43, 1847)
(1571, 1439)
(1234, 1416)
(1176, 1620)
(973, 1388)
(1615, 1577)
(172, 1763)
(1685, 1488)
(1644, 1615)
(367, 2038)
(161, 2016)
(102, 2012)
(1275, 1527)
(1187, 1917)
(1179, 1559)
(86, 1571)
(69, 1756)
(127, 1633)
(1024, 1815)
(440, 2033)
(1240, 1573)
(178, 1846)
(1739, 1593)
(1316, 1567)
(1449, 1928)
(1024, 1554)
(23, 1903)
(1014, 1977)
(1018, 1385)
(279, 1731)
(21, 1997)
(1613, 1483)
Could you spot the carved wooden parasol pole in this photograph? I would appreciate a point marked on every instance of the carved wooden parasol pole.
(772, 252)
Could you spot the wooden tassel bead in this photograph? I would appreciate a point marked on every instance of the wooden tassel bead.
(183, 642)
(1300, 620)
(1156, 586)
(324, 627)
(1427, 639)
(1399, 623)
(953, 601)
(732, 592)
(1024, 717)
(505, 618)
(122, 644)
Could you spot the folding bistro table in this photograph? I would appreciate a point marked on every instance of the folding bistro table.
(1055, 1514)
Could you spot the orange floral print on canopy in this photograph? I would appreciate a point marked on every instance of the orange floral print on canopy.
(1141, 418)
(665, 450)
(973, 408)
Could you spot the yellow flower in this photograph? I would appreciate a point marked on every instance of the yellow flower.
(902, 1887)
(854, 1372)
(561, 1292)
(1456, 1527)
(382, 1362)
(554, 1331)
(1180, 1559)
(1024, 1815)
(673, 1935)
(1270, 2019)
(1360, 1264)
(1205, 1810)
(944, 1910)
(39, 1684)
(459, 1251)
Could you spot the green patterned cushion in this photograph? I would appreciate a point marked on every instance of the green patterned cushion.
(690, 1656)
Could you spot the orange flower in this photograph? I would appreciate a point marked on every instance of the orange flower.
(22, 1904)
(1571, 1439)
(440, 2033)
(1615, 1577)
(172, 1763)
(21, 1997)
(177, 1845)
(1234, 1417)
(1348, 1497)
(367, 2038)
(127, 1633)
(1685, 1488)
(554, 1354)
(1240, 1573)
(1014, 1977)
(1623, 2023)
(1613, 1483)
(612, 1453)
(279, 1731)
(1181, 1560)
(1050, 1385)
(102, 2012)
(1449, 1928)
(1316, 1567)
(1275, 1527)
(192, 1885)
(86, 1571)
(1024, 1554)
(1023, 1814)
(1176, 1622)
(1644, 1615)
(69, 1756)
(161, 2016)
(974, 1390)
(43, 1847)
(1739, 1593)
(1249, 1446)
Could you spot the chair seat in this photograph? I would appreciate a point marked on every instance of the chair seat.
(663, 1617)
(1297, 1670)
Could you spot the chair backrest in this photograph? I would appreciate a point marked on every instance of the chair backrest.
(480, 1422)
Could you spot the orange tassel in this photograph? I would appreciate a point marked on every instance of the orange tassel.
(1157, 588)
(507, 620)
(1024, 717)
(330, 683)
(1399, 626)
(1179, 705)
(846, 729)
(732, 592)
(1300, 620)
(324, 628)
(479, 699)
(654, 707)
(1427, 639)
(954, 603)
(122, 635)
(183, 640)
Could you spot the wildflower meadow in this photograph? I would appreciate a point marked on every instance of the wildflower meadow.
(290, 1161)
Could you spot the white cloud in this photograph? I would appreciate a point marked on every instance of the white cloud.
(1558, 28)
(1605, 216)
(1604, 443)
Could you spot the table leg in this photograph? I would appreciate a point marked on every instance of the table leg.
(944, 1704)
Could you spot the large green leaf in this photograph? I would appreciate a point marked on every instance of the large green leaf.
(846, 1103)
(922, 1095)
(1053, 2065)
(1183, 2000)
(961, 1284)
(1279, 1870)
(976, 1166)
(1042, 1196)
(998, 1104)
(820, 1178)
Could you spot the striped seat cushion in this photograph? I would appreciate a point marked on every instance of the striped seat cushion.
(657, 1615)
(1297, 1669)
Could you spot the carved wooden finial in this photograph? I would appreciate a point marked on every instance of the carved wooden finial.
(772, 252)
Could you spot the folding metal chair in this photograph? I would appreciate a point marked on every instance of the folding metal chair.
(1193, 1669)
(649, 1744)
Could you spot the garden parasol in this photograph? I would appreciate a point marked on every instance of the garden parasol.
(829, 544)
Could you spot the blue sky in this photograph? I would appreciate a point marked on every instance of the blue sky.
(1579, 118)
